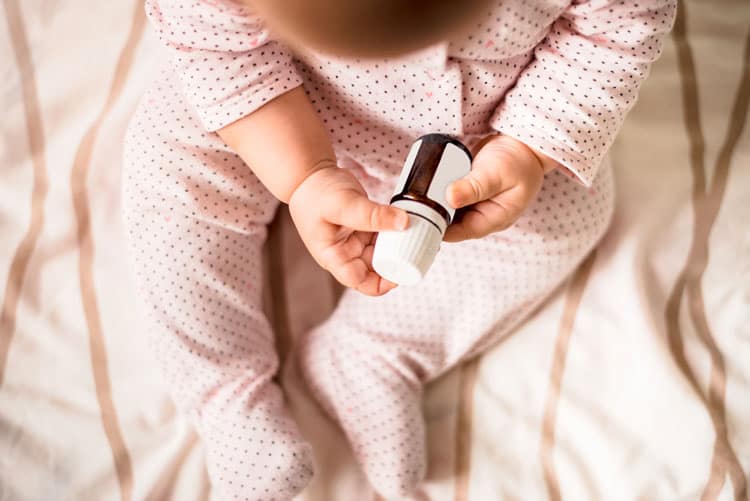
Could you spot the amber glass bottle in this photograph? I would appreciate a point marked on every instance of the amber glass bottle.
(433, 163)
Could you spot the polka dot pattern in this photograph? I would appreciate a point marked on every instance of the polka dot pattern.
(196, 218)
(570, 101)
(367, 364)
(558, 77)
(227, 63)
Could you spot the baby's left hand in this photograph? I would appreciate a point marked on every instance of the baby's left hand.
(505, 177)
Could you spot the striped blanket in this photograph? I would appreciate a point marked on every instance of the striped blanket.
(631, 382)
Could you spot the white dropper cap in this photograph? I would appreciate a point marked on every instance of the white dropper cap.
(403, 257)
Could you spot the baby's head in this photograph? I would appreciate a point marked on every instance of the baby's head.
(368, 28)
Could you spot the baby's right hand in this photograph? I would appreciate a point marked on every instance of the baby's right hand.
(338, 224)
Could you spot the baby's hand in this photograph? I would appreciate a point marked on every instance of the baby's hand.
(338, 223)
(505, 177)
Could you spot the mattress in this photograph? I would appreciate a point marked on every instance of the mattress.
(631, 382)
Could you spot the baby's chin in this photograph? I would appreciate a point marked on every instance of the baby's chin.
(360, 49)
(348, 47)
(364, 28)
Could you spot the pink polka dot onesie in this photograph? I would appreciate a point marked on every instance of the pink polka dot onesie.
(556, 75)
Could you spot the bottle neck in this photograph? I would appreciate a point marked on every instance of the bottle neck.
(425, 212)
(422, 199)
(433, 163)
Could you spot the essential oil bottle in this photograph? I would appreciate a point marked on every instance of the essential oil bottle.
(433, 163)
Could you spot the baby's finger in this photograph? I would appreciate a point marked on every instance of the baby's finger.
(374, 284)
(357, 275)
(472, 225)
(361, 214)
(481, 220)
(352, 266)
(463, 192)
(483, 182)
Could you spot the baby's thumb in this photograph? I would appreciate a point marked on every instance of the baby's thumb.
(362, 214)
(470, 189)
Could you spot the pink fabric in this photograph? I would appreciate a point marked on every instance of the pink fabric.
(558, 77)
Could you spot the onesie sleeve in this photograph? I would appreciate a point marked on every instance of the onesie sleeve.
(571, 100)
(227, 63)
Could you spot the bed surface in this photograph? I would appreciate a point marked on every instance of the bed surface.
(631, 382)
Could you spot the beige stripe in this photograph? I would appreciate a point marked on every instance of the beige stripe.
(697, 151)
(706, 208)
(79, 173)
(573, 298)
(169, 477)
(22, 255)
(277, 283)
(469, 373)
(463, 434)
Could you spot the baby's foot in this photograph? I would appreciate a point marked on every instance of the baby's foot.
(376, 399)
(257, 455)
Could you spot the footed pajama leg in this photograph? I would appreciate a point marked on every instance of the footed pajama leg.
(196, 217)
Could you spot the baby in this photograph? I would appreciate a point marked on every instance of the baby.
(315, 103)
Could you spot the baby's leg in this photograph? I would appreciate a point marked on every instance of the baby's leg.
(197, 217)
(368, 362)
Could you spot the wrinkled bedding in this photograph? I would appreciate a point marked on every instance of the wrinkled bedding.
(631, 382)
